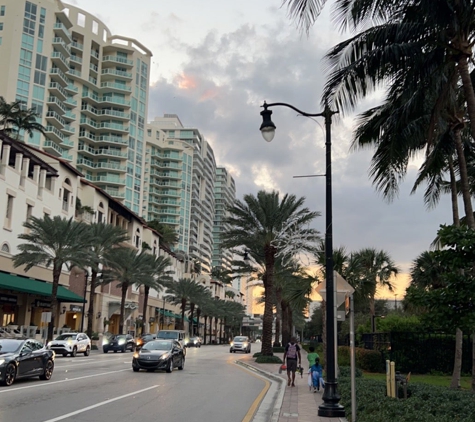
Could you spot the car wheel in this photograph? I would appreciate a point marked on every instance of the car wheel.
(135, 369)
(182, 364)
(115, 351)
(230, 350)
(10, 375)
(65, 354)
(124, 349)
(88, 351)
(170, 366)
(105, 350)
(74, 352)
(48, 371)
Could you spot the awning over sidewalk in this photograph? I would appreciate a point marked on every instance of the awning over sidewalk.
(22, 284)
(167, 313)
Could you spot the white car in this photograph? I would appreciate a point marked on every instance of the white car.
(71, 344)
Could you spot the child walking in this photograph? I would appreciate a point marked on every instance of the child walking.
(316, 374)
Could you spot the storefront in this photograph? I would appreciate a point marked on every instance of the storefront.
(8, 309)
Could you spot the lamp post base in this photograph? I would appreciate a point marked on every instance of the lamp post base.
(330, 407)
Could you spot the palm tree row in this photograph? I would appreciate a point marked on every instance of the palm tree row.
(101, 248)
(192, 296)
(15, 118)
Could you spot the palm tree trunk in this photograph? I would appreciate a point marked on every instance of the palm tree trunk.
(54, 301)
(190, 328)
(90, 311)
(464, 72)
(285, 322)
(278, 316)
(206, 323)
(267, 320)
(122, 308)
(198, 315)
(183, 306)
(145, 304)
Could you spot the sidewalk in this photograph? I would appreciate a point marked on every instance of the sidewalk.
(298, 404)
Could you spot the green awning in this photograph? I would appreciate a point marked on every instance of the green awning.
(168, 313)
(18, 283)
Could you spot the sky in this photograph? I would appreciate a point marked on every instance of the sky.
(215, 62)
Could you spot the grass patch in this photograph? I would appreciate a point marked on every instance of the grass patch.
(434, 380)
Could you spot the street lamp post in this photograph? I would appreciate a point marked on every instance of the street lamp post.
(330, 406)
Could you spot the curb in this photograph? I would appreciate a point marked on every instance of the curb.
(281, 391)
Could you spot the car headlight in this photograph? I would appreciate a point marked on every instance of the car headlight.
(136, 355)
(121, 341)
(244, 344)
(232, 343)
(195, 342)
(49, 344)
(105, 341)
(2, 361)
(165, 356)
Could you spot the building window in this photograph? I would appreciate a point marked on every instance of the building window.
(9, 212)
(2, 10)
(5, 248)
(1, 26)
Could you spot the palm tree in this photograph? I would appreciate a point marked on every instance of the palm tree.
(54, 242)
(200, 290)
(106, 237)
(160, 277)
(375, 268)
(181, 292)
(263, 225)
(168, 235)
(126, 267)
(26, 120)
(7, 112)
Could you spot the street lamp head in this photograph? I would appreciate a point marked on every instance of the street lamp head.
(267, 127)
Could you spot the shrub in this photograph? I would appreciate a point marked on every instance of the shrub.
(255, 355)
(268, 359)
(278, 349)
(95, 336)
(367, 360)
(345, 371)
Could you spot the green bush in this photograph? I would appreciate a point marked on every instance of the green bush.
(268, 359)
(278, 349)
(345, 371)
(367, 360)
(425, 403)
(95, 336)
(255, 355)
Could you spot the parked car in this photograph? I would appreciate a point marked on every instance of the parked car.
(144, 339)
(240, 344)
(118, 343)
(71, 344)
(193, 342)
(24, 358)
(159, 354)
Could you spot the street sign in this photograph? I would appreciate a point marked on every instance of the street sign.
(341, 286)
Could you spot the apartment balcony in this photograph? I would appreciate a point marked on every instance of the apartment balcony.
(66, 156)
(108, 139)
(70, 102)
(88, 123)
(117, 60)
(111, 166)
(92, 80)
(113, 113)
(112, 86)
(76, 46)
(110, 100)
(69, 130)
(53, 148)
(60, 61)
(108, 152)
(115, 74)
(86, 136)
(169, 211)
(92, 97)
(57, 75)
(62, 31)
(56, 105)
(61, 46)
(95, 54)
(115, 193)
(113, 126)
(74, 72)
(67, 143)
(54, 134)
(109, 179)
(56, 89)
(89, 110)
(71, 89)
(94, 68)
(55, 119)
(85, 163)
(69, 116)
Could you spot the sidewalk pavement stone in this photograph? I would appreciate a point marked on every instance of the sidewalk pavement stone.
(297, 404)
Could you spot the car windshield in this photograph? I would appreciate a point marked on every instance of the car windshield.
(66, 337)
(147, 337)
(9, 346)
(158, 345)
(119, 337)
(240, 338)
(167, 335)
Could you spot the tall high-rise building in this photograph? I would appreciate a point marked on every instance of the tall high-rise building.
(198, 230)
(224, 195)
(89, 87)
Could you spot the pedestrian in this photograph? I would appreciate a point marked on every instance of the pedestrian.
(311, 356)
(292, 353)
(316, 371)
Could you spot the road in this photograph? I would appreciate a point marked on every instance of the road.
(103, 387)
